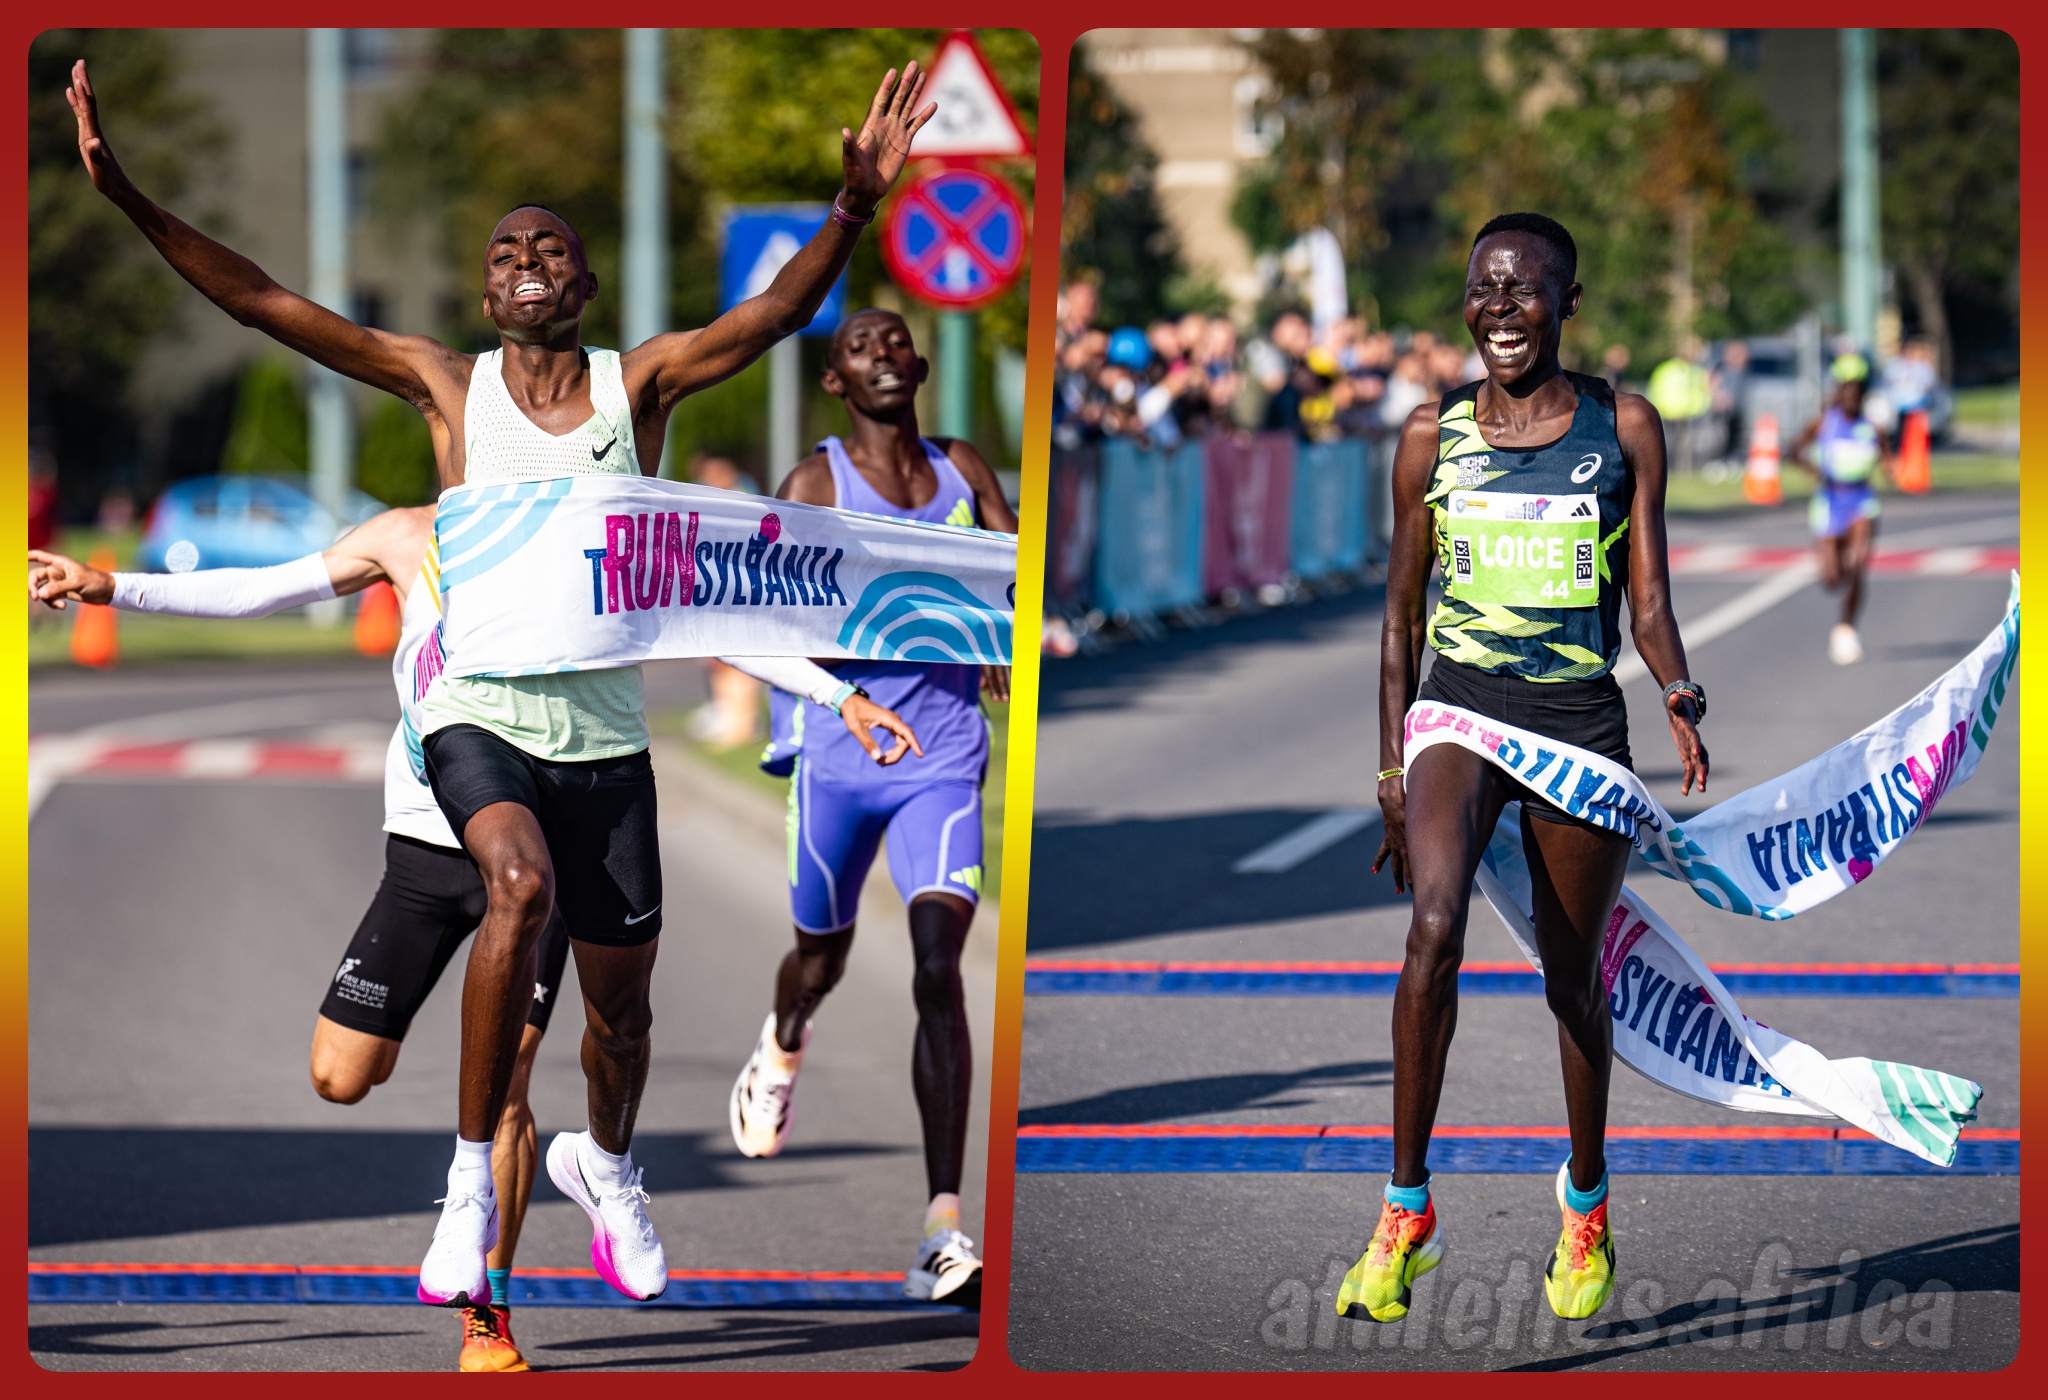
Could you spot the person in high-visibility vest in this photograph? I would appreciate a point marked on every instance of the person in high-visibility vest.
(1844, 450)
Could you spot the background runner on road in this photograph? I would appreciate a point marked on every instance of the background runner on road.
(930, 810)
(1844, 451)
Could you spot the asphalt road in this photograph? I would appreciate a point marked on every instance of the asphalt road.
(1161, 766)
(181, 936)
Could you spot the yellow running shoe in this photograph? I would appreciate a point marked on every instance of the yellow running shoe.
(1580, 1275)
(1404, 1247)
(487, 1343)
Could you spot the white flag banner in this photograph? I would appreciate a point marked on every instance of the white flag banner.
(1675, 1023)
(1771, 852)
(583, 573)
(1788, 844)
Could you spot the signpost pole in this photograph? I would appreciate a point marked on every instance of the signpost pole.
(785, 382)
(956, 374)
(331, 419)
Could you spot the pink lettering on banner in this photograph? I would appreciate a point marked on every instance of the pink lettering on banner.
(1423, 718)
(682, 553)
(618, 561)
(649, 573)
(427, 663)
(1463, 726)
(1616, 951)
(771, 528)
(1489, 740)
(1944, 760)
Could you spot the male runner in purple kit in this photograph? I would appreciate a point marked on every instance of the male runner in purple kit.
(841, 805)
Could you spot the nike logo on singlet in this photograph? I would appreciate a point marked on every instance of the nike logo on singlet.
(597, 453)
(642, 918)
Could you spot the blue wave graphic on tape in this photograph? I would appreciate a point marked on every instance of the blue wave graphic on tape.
(913, 615)
(477, 533)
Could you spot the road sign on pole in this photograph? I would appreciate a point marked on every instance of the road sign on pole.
(975, 117)
(955, 239)
(759, 239)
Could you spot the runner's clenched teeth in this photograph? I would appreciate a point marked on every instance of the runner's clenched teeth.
(1507, 344)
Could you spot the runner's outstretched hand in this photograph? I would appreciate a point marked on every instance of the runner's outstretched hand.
(874, 158)
(862, 714)
(107, 176)
(56, 579)
(1685, 733)
(1394, 823)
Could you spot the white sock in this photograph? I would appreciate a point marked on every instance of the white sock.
(604, 1168)
(942, 1214)
(470, 1174)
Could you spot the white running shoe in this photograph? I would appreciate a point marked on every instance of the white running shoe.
(946, 1271)
(456, 1271)
(761, 1111)
(1845, 648)
(624, 1249)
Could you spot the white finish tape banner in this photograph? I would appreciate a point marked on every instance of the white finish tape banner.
(588, 572)
(1795, 841)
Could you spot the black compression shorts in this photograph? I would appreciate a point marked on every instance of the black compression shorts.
(597, 817)
(431, 899)
(1587, 714)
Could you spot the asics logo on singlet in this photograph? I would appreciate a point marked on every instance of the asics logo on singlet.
(1588, 466)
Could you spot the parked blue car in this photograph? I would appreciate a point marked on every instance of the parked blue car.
(240, 522)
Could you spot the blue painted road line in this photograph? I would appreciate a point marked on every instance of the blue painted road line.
(552, 1288)
(1269, 1148)
(1141, 979)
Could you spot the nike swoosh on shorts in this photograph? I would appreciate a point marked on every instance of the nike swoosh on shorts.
(632, 919)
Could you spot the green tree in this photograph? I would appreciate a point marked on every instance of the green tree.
(1949, 133)
(395, 461)
(267, 436)
(97, 294)
(1111, 227)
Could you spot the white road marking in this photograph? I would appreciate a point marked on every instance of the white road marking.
(1298, 845)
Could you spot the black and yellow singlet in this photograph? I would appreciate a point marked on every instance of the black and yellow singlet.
(1531, 543)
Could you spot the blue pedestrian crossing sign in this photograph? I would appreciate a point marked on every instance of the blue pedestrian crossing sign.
(759, 239)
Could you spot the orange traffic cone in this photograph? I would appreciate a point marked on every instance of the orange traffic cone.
(1760, 484)
(93, 635)
(1914, 469)
(377, 621)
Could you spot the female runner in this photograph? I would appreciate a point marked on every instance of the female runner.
(1541, 494)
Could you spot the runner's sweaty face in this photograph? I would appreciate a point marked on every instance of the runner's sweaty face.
(874, 365)
(1515, 306)
(536, 278)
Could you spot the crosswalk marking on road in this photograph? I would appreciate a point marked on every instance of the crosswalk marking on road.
(57, 758)
(1279, 856)
(1731, 561)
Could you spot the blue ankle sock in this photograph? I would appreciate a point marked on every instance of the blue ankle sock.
(501, 1285)
(1582, 1202)
(1410, 1198)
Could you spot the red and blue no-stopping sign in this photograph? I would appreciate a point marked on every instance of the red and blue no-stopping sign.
(955, 239)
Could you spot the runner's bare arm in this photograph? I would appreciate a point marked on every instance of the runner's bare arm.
(809, 482)
(1403, 633)
(668, 367)
(385, 548)
(1652, 624)
(403, 365)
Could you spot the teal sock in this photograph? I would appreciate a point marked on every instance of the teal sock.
(1409, 1198)
(501, 1285)
(1582, 1202)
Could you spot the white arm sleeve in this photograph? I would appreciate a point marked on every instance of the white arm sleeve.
(799, 675)
(227, 592)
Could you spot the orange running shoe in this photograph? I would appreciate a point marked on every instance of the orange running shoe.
(487, 1343)
(1404, 1247)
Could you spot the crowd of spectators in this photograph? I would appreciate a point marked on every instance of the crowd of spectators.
(1184, 378)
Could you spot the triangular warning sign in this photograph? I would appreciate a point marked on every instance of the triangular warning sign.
(975, 117)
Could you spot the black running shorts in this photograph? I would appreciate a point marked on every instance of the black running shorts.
(597, 817)
(1587, 714)
(431, 899)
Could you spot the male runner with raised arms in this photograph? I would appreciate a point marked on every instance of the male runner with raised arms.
(840, 808)
(1541, 495)
(431, 897)
(545, 779)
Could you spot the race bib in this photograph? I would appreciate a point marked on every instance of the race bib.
(1521, 550)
